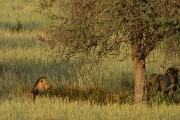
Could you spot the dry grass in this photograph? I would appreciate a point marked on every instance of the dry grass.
(58, 109)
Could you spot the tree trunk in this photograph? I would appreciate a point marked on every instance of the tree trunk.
(138, 61)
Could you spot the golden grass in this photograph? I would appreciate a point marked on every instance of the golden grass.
(58, 109)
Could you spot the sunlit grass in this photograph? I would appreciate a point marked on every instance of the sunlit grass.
(56, 108)
(20, 11)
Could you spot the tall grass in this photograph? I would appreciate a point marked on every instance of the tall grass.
(23, 13)
(57, 109)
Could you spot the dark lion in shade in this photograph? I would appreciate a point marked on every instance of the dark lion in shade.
(168, 82)
(41, 86)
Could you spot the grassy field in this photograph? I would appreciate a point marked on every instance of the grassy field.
(56, 109)
(23, 59)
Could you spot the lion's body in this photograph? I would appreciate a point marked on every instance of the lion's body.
(40, 87)
(167, 82)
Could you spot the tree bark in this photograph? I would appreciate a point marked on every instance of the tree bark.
(138, 61)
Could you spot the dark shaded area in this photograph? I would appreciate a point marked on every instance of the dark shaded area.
(20, 26)
(94, 94)
(18, 42)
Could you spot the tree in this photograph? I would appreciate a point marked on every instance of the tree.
(103, 27)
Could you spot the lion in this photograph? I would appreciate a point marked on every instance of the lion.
(168, 82)
(41, 86)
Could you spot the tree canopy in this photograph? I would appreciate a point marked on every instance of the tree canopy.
(101, 26)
